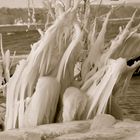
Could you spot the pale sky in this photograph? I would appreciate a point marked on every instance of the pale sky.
(38, 3)
(133, 1)
(19, 3)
